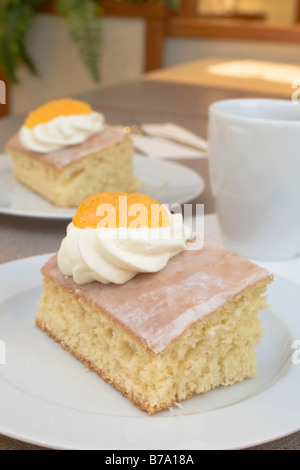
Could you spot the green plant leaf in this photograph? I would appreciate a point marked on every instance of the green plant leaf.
(85, 30)
(174, 4)
(15, 21)
(83, 17)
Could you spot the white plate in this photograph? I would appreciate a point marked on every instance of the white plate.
(165, 181)
(47, 398)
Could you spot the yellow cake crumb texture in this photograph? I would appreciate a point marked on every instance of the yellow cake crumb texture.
(56, 108)
(217, 351)
(110, 169)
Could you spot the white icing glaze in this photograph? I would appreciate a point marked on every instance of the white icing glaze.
(60, 159)
(157, 308)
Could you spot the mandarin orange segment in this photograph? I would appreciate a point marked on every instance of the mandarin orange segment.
(54, 109)
(115, 210)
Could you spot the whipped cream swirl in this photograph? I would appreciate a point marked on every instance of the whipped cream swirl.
(61, 132)
(116, 255)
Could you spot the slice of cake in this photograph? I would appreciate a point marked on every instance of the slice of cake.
(65, 152)
(158, 337)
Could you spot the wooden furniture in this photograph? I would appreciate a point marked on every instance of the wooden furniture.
(189, 24)
(215, 28)
(161, 22)
(146, 101)
(4, 107)
(154, 15)
(297, 13)
(200, 72)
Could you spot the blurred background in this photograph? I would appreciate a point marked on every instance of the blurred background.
(139, 37)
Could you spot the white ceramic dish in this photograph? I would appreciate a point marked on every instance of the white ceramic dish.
(47, 398)
(165, 181)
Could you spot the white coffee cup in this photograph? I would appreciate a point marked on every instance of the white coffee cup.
(254, 163)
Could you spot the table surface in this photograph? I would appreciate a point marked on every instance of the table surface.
(148, 101)
(246, 76)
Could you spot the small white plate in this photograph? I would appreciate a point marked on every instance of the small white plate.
(166, 182)
(48, 399)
